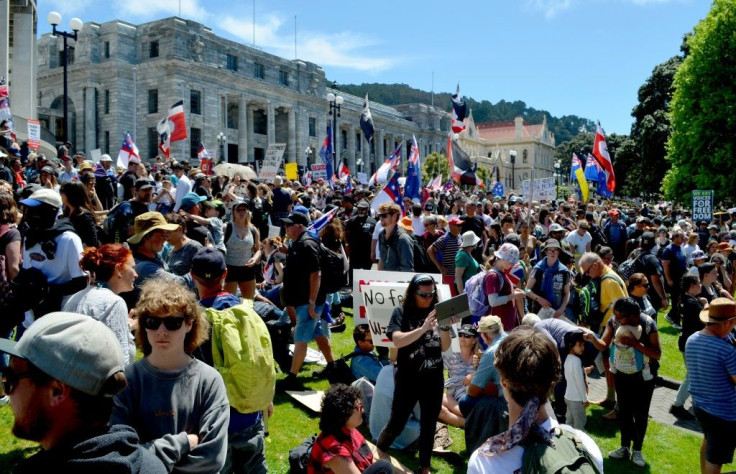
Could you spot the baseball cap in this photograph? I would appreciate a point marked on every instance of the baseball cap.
(208, 264)
(142, 183)
(43, 196)
(363, 204)
(72, 348)
(455, 221)
(296, 218)
(190, 200)
(490, 324)
(468, 330)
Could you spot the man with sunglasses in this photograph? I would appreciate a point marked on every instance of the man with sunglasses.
(358, 234)
(395, 245)
(63, 374)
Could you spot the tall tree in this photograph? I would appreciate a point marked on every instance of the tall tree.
(434, 164)
(703, 140)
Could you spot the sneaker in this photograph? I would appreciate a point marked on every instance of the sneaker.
(672, 322)
(620, 453)
(4, 400)
(681, 413)
(637, 458)
(290, 383)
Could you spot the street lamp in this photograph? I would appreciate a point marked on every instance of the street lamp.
(308, 153)
(359, 165)
(512, 158)
(75, 24)
(222, 140)
(335, 103)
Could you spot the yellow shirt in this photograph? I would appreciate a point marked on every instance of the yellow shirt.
(611, 290)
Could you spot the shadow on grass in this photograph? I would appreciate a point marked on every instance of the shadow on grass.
(669, 330)
(9, 460)
(601, 428)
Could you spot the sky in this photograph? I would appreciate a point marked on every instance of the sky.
(569, 57)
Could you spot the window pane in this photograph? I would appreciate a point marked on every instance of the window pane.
(153, 101)
(194, 141)
(195, 102)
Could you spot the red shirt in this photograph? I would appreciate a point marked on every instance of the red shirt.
(507, 312)
(326, 448)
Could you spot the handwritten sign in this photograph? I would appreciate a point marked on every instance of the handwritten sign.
(319, 170)
(702, 206)
(544, 189)
(362, 178)
(272, 161)
(34, 134)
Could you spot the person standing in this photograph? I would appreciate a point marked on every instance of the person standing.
(674, 264)
(396, 245)
(183, 185)
(443, 251)
(419, 377)
(358, 234)
(549, 283)
(105, 182)
(615, 233)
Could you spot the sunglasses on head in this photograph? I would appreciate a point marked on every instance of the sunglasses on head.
(645, 285)
(172, 323)
(11, 379)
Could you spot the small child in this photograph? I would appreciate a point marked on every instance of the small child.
(576, 393)
(625, 358)
(213, 213)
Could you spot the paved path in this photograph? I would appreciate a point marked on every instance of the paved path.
(659, 410)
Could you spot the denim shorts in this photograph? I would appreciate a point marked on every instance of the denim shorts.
(308, 328)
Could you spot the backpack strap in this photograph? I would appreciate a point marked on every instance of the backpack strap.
(228, 231)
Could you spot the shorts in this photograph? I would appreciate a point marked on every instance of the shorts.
(308, 328)
(241, 273)
(720, 441)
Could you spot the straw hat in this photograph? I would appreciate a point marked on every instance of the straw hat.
(148, 222)
(719, 311)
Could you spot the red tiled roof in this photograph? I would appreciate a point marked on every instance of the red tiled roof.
(506, 130)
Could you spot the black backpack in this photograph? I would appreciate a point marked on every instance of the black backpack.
(422, 262)
(332, 265)
(299, 456)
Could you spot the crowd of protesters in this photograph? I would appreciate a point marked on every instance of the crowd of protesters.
(146, 249)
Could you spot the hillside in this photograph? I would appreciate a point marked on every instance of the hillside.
(564, 128)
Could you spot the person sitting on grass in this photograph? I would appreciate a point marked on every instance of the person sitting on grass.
(461, 367)
(366, 363)
(340, 448)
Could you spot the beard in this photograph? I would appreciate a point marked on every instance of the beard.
(34, 429)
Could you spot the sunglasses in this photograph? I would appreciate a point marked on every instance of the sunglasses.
(385, 214)
(465, 336)
(171, 323)
(587, 271)
(645, 285)
(422, 294)
(11, 379)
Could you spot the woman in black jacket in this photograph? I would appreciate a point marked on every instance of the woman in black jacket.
(78, 208)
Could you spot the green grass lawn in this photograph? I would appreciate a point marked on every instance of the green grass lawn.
(667, 449)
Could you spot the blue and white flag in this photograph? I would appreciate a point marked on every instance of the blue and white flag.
(389, 193)
(413, 183)
(326, 154)
(322, 222)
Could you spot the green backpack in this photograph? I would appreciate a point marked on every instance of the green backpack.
(567, 456)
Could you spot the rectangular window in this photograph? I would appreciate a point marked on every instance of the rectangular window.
(152, 142)
(232, 115)
(106, 103)
(70, 56)
(195, 102)
(107, 49)
(153, 49)
(232, 63)
(358, 141)
(106, 144)
(153, 101)
(284, 78)
(312, 127)
(195, 138)
(260, 122)
(259, 72)
(343, 139)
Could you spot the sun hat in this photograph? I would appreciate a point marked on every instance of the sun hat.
(724, 247)
(719, 311)
(698, 255)
(470, 239)
(405, 223)
(134, 160)
(43, 196)
(77, 350)
(105, 157)
(86, 166)
(508, 252)
(148, 222)
(552, 244)
(555, 227)
(468, 330)
(490, 324)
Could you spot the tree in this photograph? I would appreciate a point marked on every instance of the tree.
(434, 164)
(581, 144)
(702, 142)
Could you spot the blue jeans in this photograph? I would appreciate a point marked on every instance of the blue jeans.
(246, 452)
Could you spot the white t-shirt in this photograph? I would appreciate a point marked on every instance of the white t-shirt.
(417, 224)
(575, 391)
(183, 186)
(509, 462)
(377, 230)
(579, 242)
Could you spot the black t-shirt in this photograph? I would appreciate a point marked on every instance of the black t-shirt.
(301, 261)
(360, 229)
(422, 355)
(475, 224)
(649, 265)
(690, 308)
(127, 181)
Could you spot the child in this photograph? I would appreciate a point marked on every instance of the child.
(576, 394)
(625, 358)
(213, 214)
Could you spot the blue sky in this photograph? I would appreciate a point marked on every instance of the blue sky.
(570, 57)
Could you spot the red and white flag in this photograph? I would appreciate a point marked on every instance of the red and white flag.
(344, 172)
(600, 152)
(127, 151)
(383, 173)
(436, 183)
(172, 128)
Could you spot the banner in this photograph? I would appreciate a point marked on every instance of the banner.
(291, 170)
(34, 134)
(205, 164)
(272, 161)
(702, 206)
(319, 170)
(544, 189)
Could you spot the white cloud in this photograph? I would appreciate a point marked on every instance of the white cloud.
(550, 8)
(152, 9)
(67, 9)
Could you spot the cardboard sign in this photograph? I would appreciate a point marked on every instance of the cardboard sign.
(702, 206)
(34, 134)
(272, 161)
(544, 189)
(291, 170)
(319, 170)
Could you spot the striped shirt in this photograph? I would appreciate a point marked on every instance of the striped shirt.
(711, 362)
(448, 246)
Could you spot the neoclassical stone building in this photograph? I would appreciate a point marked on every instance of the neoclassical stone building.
(125, 77)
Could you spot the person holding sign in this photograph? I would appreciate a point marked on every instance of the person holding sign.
(419, 376)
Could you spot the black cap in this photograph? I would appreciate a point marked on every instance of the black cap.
(143, 183)
(296, 218)
(208, 264)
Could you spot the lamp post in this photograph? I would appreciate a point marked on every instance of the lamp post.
(359, 165)
(557, 177)
(75, 24)
(335, 103)
(512, 158)
(222, 140)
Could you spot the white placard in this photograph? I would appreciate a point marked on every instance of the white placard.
(544, 189)
(362, 178)
(319, 170)
(272, 161)
(34, 134)
(95, 154)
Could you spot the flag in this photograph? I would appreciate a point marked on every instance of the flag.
(172, 128)
(602, 189)
(600, 151)
(459, 111)
(326, 153)
(391, 192)
(462, 169)
(205, 161)
(128, 150)
(5, 112)
(515, 274)
(307, 178)
(497, 189)
(344, 173)
(202, 152)
(384, 171)
(436, 183)
(322, 222)
(413, 183)
(366, 121)
(576, 171)
(591, 169)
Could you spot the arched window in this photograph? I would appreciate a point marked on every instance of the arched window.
(525, 156)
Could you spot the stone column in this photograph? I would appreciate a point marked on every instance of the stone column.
(4, 39)
(302, 123)
(23, 97)
(90, 120)
(250, 156)
(291, 147)
(351, 149)
(243, 124)
(271, 123)
(378, 155)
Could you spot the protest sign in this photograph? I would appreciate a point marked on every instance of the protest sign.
(702, 205)
(291, 171)
(319, 170)
(34, 134)
(362, 178)
(544, 189)
(272, 161)
(95, 154)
